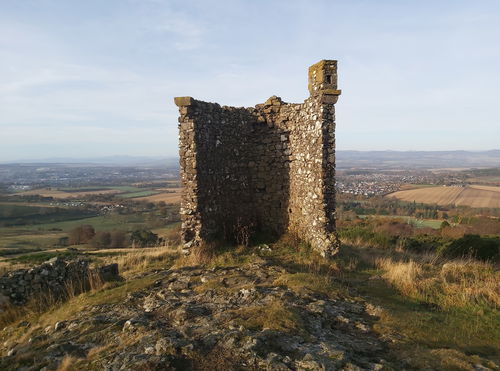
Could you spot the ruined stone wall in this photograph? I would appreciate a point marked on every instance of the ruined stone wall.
(265, 169)
(55, 278)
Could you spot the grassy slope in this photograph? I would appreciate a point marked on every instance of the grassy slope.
(426, 334)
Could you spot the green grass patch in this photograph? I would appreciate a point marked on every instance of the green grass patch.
(82, 189)
(311, 281)
(125, 188)
(38, 258)
(12, 215)
(138, 194)
(101, 223)
(111, 293)
(274, 316)
(8, 252)
(419, 322)
(470, 330)
(426, 223)
(418, 223)
(28, 241)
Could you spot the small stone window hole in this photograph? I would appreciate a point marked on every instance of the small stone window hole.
(328, 79)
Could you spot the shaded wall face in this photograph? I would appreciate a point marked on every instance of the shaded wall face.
(240, 179)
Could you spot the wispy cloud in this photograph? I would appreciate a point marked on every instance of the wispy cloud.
(96, 74)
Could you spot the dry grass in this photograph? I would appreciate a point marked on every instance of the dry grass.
(274, 316)
(405, 276)
(469, 281)
(96, 352)
(129, 264)
(454, 284)
(444, 359)
(67, 363)
(310, 281)
(140, 260)
(8, 266)
(10, 313)
(215, 255)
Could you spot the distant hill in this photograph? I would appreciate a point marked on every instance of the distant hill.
(105, 160)
(417, 159)
(345, 159)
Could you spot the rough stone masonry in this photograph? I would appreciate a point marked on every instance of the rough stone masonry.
(266, 169)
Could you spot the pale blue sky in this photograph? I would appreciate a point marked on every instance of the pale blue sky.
(97, 77)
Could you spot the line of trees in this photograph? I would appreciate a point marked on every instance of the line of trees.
(86, 234)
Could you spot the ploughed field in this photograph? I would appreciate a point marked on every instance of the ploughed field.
(473, 196)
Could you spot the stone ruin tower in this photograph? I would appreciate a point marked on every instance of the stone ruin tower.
(266, 169)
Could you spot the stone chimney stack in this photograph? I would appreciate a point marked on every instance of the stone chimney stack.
(323, 81)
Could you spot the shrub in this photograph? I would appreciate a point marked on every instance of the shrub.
(101, 240)
(118, 239)
(81, 234)
(421, 243)
(473, 245)
(144, 237)
(444, 224)
(361, 235)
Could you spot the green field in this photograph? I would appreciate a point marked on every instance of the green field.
(44, 236)
(83, 189)
(35, 229)
(101, 223)
(19, 210)
(12, 214)
(125, 188)
(419, 223)
(138, 194)
(33, 237)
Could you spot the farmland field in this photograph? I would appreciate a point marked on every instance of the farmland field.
(67, 193)
(137, 194)
(416, 222)
(473, 196)
(168, 195)
(12, 214)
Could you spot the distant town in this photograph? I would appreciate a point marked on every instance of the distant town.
(371, 182)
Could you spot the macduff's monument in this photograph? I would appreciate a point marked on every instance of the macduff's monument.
(268, 169)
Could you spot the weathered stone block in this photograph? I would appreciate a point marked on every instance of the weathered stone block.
(183, 101)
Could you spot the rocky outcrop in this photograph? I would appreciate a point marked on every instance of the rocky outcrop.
(53, 280)
(268, 169)
(226, 318)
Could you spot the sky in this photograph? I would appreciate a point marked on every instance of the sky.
(97, 77)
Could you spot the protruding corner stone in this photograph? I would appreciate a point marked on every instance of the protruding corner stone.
(183, 101)
(331, 91)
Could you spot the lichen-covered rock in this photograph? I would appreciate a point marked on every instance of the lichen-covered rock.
(270, 168)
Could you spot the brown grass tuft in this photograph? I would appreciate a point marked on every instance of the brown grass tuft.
(67, 363)
(140, 260)
(456, 283)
